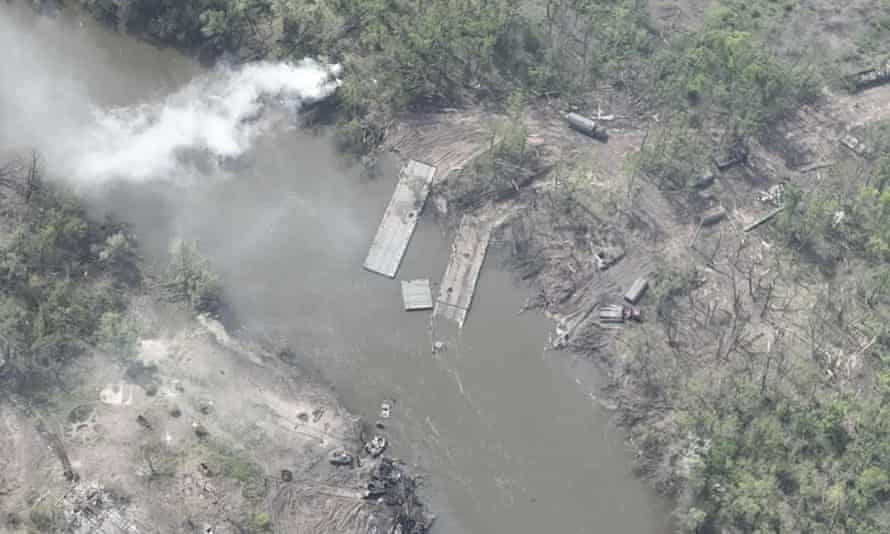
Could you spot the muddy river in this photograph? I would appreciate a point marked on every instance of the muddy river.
(510, 437)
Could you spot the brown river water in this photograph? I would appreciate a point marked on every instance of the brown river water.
(510, 437)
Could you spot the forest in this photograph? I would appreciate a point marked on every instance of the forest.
(402, 55)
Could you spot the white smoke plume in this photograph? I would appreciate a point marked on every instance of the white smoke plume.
(218, 115)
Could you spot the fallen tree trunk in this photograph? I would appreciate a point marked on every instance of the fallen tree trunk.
(763, 219)
(55, 443)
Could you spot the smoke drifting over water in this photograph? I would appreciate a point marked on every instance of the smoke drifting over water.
(218, 115)
(69, 90)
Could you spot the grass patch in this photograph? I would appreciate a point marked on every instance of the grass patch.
(259, 522)
(229, 464)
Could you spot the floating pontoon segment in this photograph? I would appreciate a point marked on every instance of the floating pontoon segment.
(416, 295)
(400, 219)
(459, 283)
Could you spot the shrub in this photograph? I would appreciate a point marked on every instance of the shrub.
(260, 522)
(190, 279)
(731, 75)
(674, 154)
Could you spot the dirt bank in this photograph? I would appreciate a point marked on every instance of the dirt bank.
(199, 432)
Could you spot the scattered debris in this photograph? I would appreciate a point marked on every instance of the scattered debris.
(441, 204)
(205, 407)
(12, 519)
(58, 448)
(775, 195)
(390, 486)
(439, 346)
(376, 446)
(376, 488)
(143, 421)
(120, 394)
(341, 457)
(703, 181)
(81, 413)
(200, 430)
(416, 295)
(385, 409)
(637, 290)
(838, 218)
(607, 258)
(601, 117)
(695, 234)
(815, 166)
(92, 508)
(519, 236)
(205, 469)
(560, 338)
(385, 412)
(370, 164)
(287, 475)
(858, 147)
(730, 158)
(586, 126)
(713, 216)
